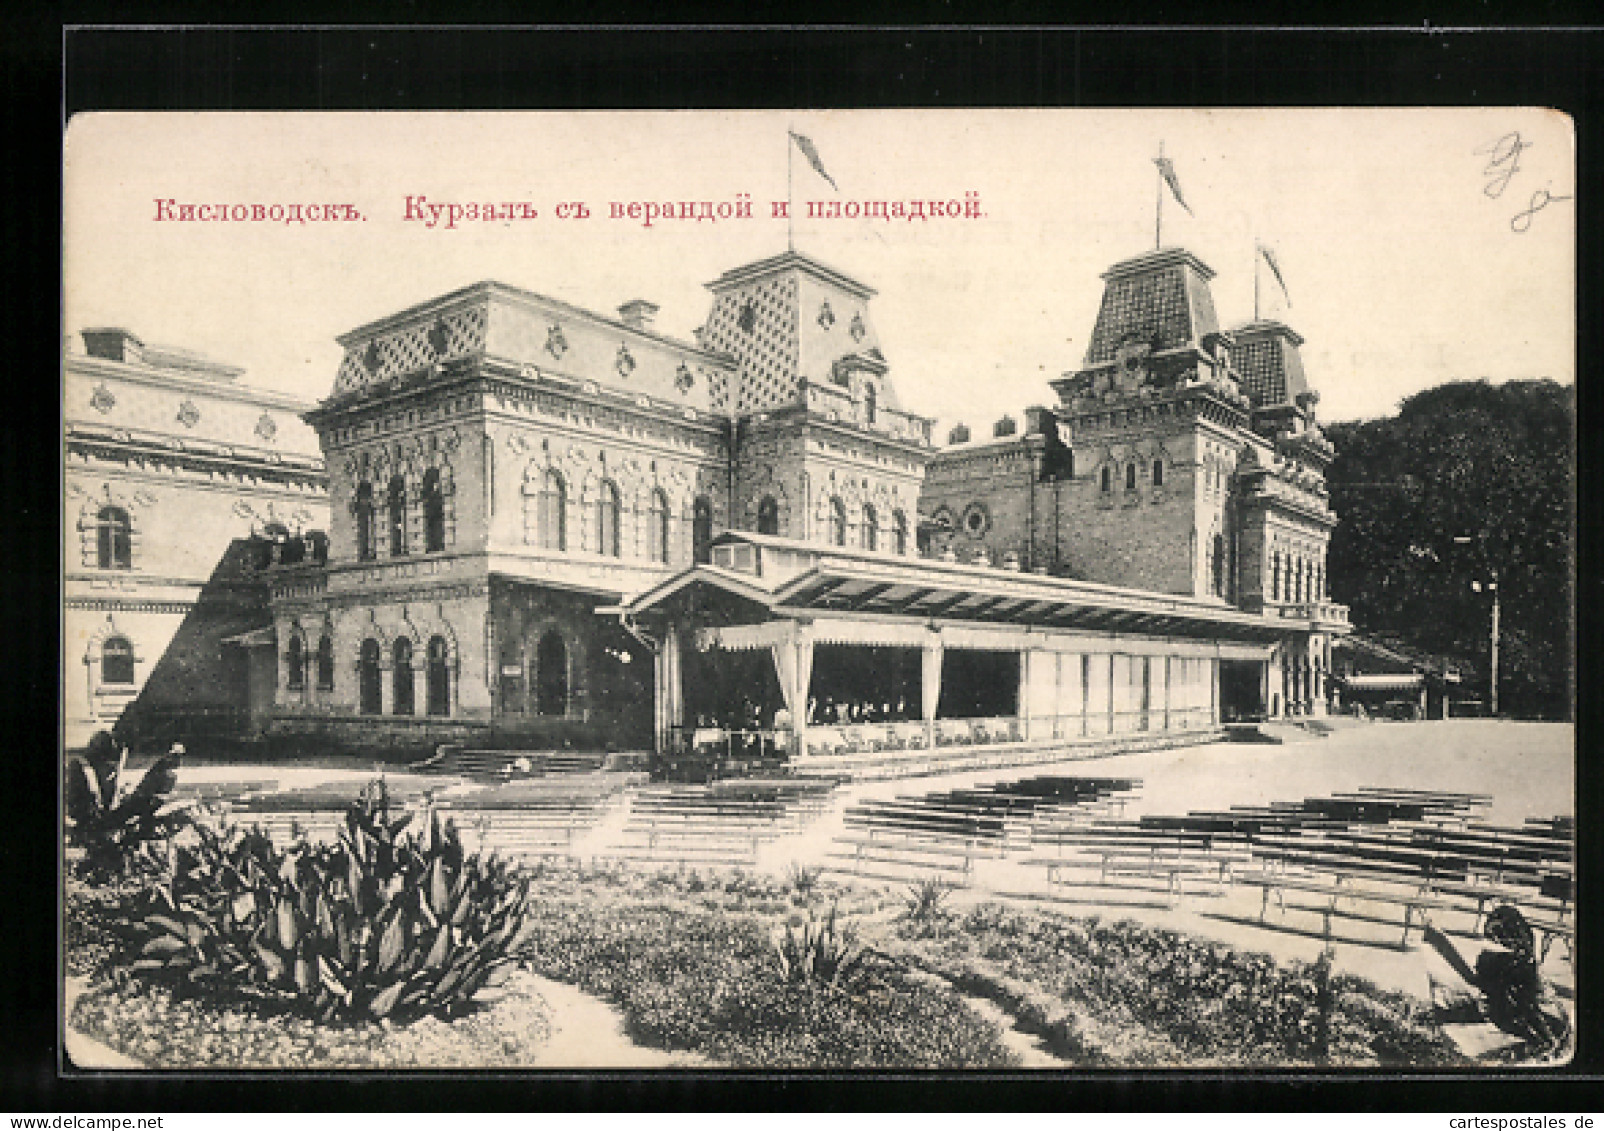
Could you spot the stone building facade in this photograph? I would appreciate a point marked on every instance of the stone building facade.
(530, 510)
(501, 464)
(1180, 458)
(169, 459)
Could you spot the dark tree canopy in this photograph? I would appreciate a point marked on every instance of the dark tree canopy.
(1494, 464)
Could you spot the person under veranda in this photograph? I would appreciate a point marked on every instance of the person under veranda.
(1509, 992)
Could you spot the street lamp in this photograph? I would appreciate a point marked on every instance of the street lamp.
(1489, 586)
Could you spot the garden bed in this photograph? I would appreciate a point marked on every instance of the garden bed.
(690, 963)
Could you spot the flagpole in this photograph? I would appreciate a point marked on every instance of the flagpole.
(1158, 187)
(1256, 279)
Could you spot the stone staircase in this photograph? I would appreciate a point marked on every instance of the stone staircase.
(502, 764)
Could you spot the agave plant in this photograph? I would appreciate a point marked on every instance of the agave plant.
(803, 880)
(111, 818)
(821, 954)
(385, 924)
(925, 898)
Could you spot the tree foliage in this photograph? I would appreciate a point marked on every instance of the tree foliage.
(1494, 467)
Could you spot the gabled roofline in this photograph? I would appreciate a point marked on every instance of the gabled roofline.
(739, 584)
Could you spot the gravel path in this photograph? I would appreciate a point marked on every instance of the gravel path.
(587, 1032)
(83, 1050)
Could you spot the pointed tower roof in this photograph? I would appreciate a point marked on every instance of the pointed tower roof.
(1268, 364)
(1161, 297)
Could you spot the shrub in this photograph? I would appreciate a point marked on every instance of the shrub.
(383, 924)
(926, 897)
(689, 978)
(803, 880)
(114, 821)
(821, 954)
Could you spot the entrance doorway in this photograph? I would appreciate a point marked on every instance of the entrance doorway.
(551, 679)
(1242, 691)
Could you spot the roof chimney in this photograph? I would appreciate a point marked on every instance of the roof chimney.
(637, 313)
(113, 344)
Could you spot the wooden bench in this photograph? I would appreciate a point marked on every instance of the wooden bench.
(1111, 863)
(1109, 873)
(962, 867)
(1280, 884)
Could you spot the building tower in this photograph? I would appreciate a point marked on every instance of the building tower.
(1156, 419)
(1285, 519)
(823, 450)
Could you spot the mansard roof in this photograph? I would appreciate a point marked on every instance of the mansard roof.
(1268, 365)
(1161, 297)
(494, 320)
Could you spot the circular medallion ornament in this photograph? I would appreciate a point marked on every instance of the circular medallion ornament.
(977, 520)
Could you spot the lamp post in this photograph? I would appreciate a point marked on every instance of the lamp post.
(1489, 586)
(1492, 691)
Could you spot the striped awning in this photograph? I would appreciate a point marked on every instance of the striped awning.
(884, 592)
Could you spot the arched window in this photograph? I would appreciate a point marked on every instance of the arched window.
(870, 532)
(117, 661)
(657, 528)
(702, 530)
(899, 533)
(402, 676)
(838, 522)
(1130, 476)
(398, 517)
(325, 663)
(552, 676)
(1158, 473)
(363, 509)
(439, 677)
(1108, 478)
(871, 404)
(114, 539)
(296, 661)
(607, 520)
(434, 513)
(553, 516)
(768, 516)
(368, 676)
(1218, 580)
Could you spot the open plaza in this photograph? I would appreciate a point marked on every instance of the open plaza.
(1349, 840)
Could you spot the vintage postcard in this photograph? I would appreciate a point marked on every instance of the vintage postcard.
(875, 589)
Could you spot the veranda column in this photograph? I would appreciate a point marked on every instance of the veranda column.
(1022, 700)
(930, 685)
(675, 698)
(804, 683)
(1167, 691)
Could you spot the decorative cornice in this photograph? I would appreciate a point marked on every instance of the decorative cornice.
(126, 605)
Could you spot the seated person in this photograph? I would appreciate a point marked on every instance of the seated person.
(1508, 990)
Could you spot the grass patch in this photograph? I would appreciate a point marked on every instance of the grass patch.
(1124, 994)
(692, 964)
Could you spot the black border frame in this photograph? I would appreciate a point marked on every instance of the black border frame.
(390, 66)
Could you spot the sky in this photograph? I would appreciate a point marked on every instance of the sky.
(1407, 238)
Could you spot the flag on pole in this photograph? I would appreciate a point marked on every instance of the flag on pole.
(812, 154)
(1275, 269)
(1167, 170)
